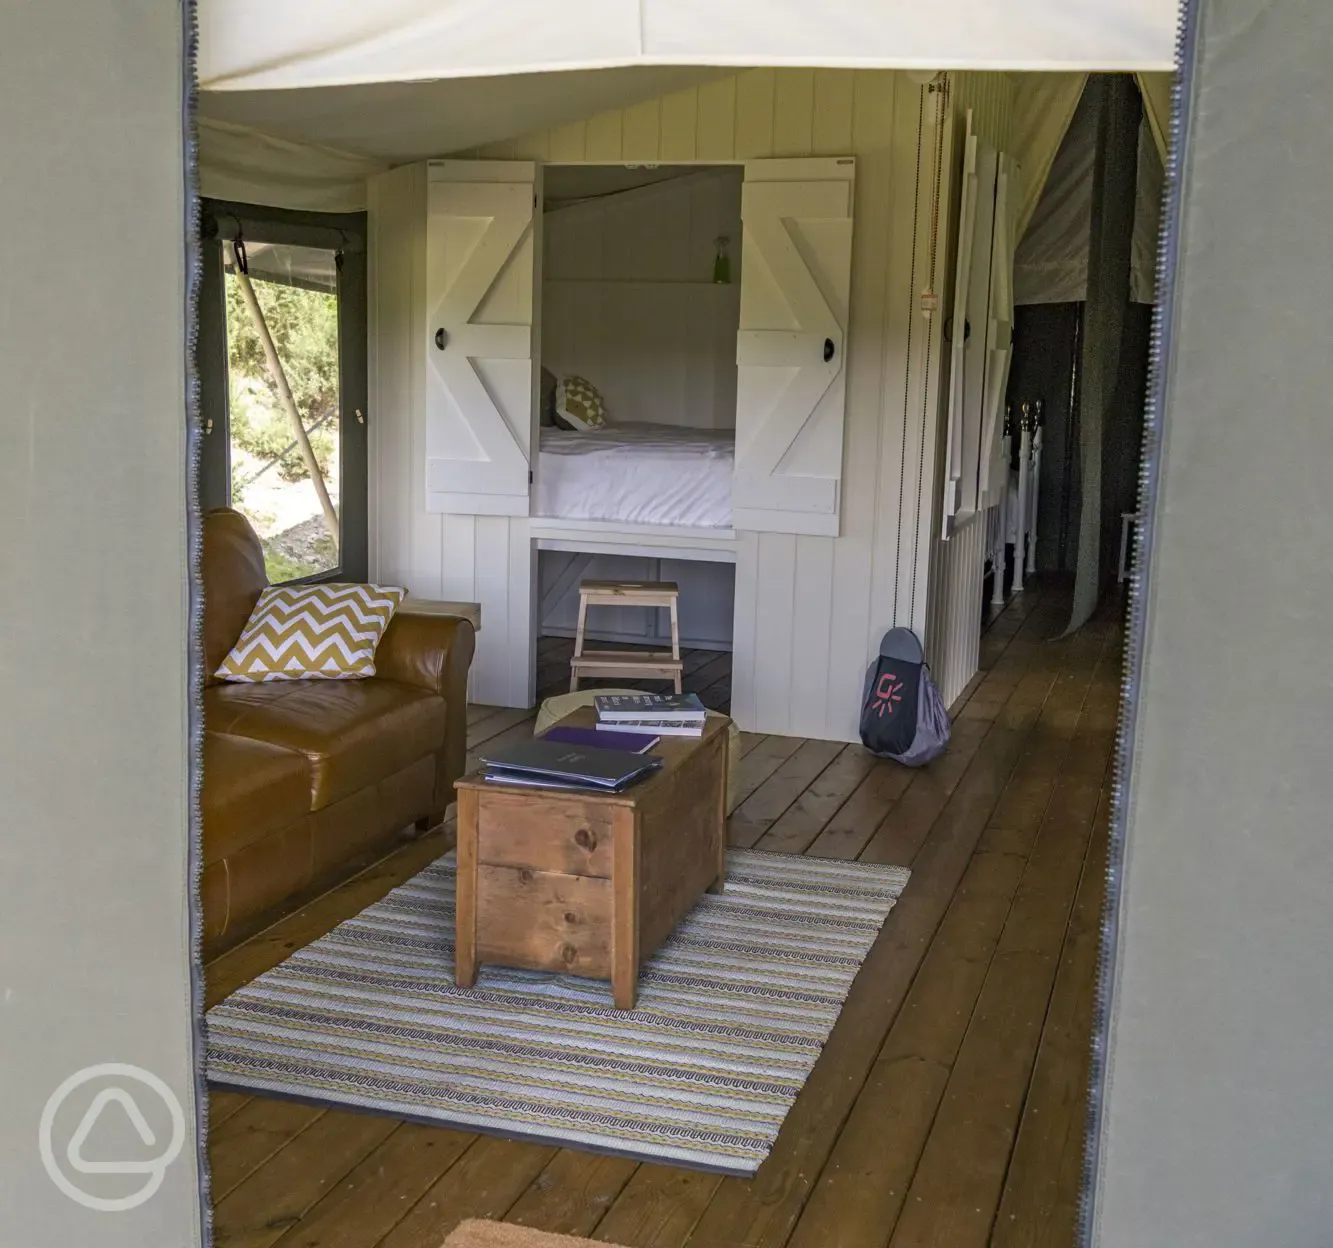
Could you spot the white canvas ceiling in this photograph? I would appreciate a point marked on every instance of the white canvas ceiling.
(397, 122)
(300, 104)
(281, 44)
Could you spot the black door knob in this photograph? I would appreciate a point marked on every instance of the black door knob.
(828, 349)
(441, 338)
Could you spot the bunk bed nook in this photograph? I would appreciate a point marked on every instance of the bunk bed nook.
(640, 368)
(640, 307)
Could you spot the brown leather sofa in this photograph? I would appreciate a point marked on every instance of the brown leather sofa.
(307, 780)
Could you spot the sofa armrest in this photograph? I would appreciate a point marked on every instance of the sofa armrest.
(428, 651)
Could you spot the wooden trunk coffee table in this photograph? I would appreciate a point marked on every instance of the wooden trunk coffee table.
(590, 883)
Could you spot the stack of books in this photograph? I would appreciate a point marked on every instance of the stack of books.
(655, 714)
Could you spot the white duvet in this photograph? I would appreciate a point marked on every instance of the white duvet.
(638, 474)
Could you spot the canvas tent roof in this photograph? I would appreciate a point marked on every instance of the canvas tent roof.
(296, 112)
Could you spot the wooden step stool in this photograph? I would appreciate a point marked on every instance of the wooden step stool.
(647, 665)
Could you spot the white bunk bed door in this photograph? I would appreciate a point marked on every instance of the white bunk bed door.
(791, 391)
(481, 385)
(999, 338)
(967, 230)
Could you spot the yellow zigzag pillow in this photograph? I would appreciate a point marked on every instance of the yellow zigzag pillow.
(329, 632)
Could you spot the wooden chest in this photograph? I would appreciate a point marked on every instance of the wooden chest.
(588, 883)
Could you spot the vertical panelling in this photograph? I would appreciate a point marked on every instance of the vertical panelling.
(955, 608)
(680, 125)
(397, 230)
(917, 523)
(775, 607)
(641, 140)
(569, 144)
(812, 628)
(521, 596)
(605, 138)
(744, 709)
(877, 181)
(717, 120)
(831, 123)
(755, 92)
(459, 574)
(902, 326)
(492, 663)
(793, 112)
(424, 574)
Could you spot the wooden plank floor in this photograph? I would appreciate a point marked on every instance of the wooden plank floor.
(948, 1106)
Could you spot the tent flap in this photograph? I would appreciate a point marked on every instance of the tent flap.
(1156, 92)
(1044, 107)
(247, 166)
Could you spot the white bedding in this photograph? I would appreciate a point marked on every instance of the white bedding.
(638, 474)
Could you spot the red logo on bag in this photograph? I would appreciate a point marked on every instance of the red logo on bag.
(888, 692)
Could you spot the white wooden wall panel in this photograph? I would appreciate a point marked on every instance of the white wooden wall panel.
(953, 625)
(798, 669)
(458, 557)
(629, 301)
(953, 637)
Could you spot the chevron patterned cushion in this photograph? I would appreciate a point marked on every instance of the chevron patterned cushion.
(328, 632)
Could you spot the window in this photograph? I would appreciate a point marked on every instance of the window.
(282, 358)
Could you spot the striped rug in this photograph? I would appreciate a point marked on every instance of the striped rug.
(732, 1013)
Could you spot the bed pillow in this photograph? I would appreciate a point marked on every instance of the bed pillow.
(579, 406)
(312, 632)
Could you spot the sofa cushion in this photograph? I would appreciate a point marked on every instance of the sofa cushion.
(354, 732)
(232, 571)
(251, 788)
(325, 631)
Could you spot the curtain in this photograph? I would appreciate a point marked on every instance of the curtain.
(1105, 310)
(1044, 105)
(1051, 261)
(1156, 91)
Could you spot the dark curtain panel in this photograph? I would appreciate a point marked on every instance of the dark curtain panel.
(1104, 321)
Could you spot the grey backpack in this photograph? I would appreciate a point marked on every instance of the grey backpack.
(902, 714)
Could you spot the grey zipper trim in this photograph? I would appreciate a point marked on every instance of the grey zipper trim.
(195, 601)
(1168, 247)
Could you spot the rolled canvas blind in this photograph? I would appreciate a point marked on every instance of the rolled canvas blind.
(274, 44)
(246, 166)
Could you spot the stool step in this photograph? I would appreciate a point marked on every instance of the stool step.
(626, 658)
(629, 593)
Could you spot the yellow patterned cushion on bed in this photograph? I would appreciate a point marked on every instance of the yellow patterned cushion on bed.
(579, 405)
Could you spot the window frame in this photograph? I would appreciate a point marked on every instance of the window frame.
(342, 232)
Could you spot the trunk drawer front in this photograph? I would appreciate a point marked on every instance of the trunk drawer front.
(546, 834)
(544, 920)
